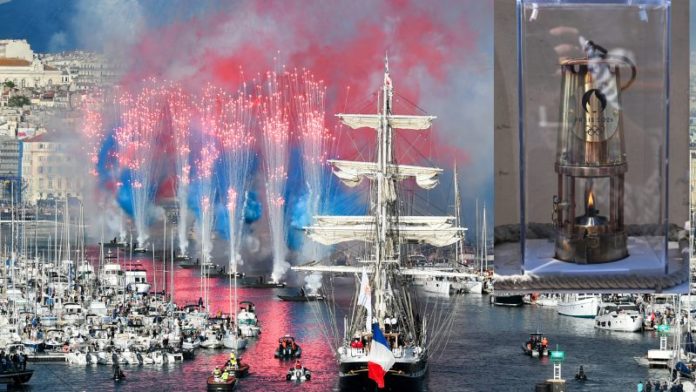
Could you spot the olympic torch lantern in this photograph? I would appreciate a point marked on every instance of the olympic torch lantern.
(590, 158)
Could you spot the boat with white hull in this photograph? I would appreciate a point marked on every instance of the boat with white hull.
(622, 317)
(438, 285)
(136, 280)
(580, 305)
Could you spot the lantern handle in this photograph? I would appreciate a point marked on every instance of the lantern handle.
(605, 54)
(628, 62)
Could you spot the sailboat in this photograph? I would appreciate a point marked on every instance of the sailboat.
(385, 288)
(233, 338)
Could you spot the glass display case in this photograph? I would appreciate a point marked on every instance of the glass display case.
(593, 138)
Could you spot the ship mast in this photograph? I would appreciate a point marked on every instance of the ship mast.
(384, 157)
(459, 247)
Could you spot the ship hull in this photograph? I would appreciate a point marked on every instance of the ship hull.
(401, 377)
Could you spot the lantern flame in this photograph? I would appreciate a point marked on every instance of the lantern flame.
(590, 201)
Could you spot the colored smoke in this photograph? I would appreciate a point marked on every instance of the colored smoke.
(440, 59)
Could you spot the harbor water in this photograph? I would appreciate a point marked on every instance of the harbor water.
(480, 352)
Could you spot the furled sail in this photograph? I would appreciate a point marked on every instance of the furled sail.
(351, 173)
(433, 221)
(356, 121)
(433, 230)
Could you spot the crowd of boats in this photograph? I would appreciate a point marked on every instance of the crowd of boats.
(70, 312)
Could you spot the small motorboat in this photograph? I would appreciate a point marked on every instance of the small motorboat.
(302, 297)
(259, 283)
(217, 271)
(298, 373)
(288, 348)
(189, 263)
(218, 384)
(115, 243)
(236, 367)
(537, 346)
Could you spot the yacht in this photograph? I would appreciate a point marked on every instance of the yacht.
(136, 280)
(579, 305)
(623, 317)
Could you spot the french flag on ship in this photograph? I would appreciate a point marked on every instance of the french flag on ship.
(381, 358)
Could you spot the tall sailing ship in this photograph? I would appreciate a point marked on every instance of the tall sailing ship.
(385, 305)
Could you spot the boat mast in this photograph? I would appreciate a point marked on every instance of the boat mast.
(459, 247)
(171, 267)
(383, 247)
(55, 231)
(12, 224)
(154, 266)
(36, 234)
(67, 227)
(12, 242)
(101, 251)
(485, 241)
(82, 235)
(164, 254)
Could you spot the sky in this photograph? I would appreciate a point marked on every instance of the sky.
(441, 58)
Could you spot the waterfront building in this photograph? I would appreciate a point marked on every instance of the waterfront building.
(10, 168)
(48, 167)
(19, 65)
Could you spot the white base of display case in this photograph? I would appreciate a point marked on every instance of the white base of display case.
(641, 272)
(643, 259)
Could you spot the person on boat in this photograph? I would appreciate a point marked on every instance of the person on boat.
(648, 386)
(22, 361)
(298, 365)
(216, 372)
(225, 376)
(232, 362)
(544, 342)
(15, 361)
(357, 343)
(639, 387)
(392, 342)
